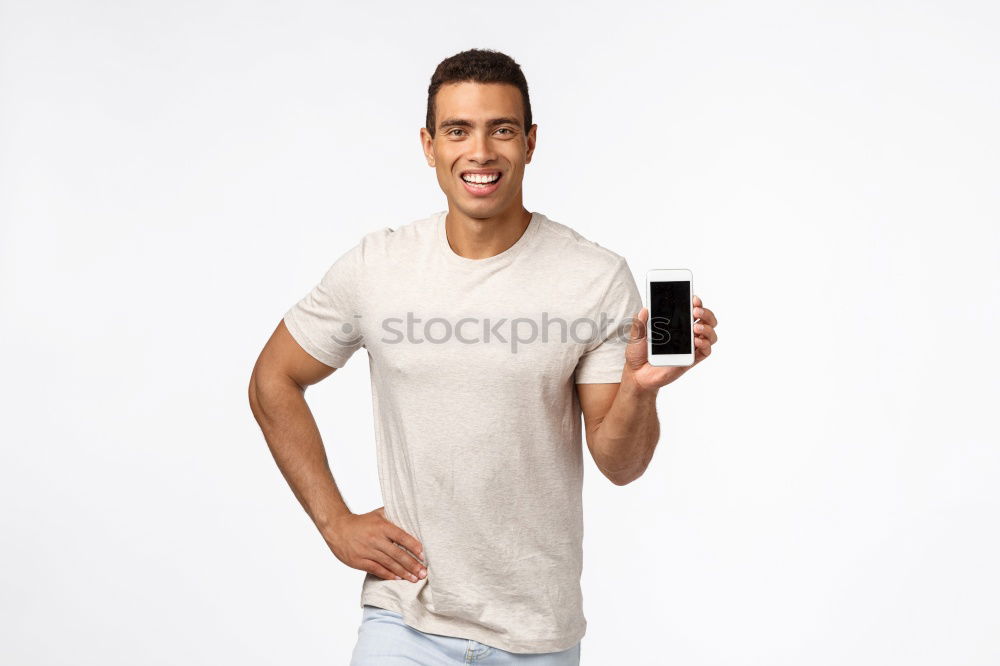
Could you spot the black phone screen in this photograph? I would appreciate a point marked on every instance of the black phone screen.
(670, 317)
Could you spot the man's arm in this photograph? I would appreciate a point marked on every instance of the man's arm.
(621, 422)
(369, 542)
(622, 427)
(277, 399)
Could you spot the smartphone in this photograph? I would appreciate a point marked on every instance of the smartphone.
(670, 328)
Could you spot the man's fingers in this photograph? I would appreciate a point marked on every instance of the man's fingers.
(703, 346)
(395, 533)
(701, 350)
(410, 555)
(373, 567)
(706, 331)
(406, 540)
(387, 560)
(706, 316)
(399, 551)
(413, 570)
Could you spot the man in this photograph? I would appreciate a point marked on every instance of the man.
(476, 323)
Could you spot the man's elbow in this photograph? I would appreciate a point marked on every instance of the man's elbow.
(269, 391)
(624, 477)
(253, 394)
(260, 392)
(624, 481)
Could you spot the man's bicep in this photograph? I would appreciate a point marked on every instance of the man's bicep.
(283, 356)
(595, 402)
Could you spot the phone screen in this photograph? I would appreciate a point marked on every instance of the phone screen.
(670, 317)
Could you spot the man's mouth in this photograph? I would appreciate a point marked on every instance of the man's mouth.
(481, 183)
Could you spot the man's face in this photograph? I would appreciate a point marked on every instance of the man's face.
(480, 135)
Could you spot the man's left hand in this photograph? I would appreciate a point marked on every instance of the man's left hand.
(651, 377)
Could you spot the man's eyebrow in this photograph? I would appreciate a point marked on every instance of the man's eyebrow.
(504, 121)
(461, 122)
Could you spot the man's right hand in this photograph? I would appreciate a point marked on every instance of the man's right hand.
(371, 542)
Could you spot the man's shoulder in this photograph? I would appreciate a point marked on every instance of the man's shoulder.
(385, 243)
(562, 240)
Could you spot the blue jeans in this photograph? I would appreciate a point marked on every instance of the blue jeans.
(385, 640)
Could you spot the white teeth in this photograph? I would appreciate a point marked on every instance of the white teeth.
(480, 178)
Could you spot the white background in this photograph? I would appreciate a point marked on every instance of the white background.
(174, 175)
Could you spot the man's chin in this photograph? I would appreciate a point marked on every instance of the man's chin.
(479, 208)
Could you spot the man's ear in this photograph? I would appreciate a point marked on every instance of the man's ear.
(427, 144)
(532, 131)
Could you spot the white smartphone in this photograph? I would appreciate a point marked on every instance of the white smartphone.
(670, 327)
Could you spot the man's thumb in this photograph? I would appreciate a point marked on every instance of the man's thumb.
(635, 351)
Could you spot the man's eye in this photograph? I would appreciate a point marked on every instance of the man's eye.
(505, 129)
(453, 130)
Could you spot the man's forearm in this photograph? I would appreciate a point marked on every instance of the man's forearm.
(625, 440)
(291, 433)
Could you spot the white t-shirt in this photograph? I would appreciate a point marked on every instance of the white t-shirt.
(477, 421)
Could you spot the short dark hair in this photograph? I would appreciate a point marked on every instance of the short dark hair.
(479, 66)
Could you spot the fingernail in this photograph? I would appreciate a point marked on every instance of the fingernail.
(423, 573)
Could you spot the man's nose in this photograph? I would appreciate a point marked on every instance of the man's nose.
(482, 149)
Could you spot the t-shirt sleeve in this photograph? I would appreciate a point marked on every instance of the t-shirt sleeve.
(326, 322)
(604, 358)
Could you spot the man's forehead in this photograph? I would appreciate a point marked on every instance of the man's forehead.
(478, 102)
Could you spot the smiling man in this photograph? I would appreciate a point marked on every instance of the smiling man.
(477, 553)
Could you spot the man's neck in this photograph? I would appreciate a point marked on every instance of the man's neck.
(475, 238)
